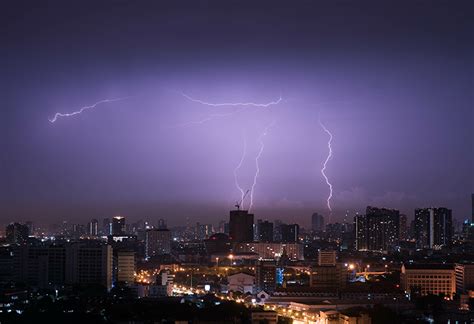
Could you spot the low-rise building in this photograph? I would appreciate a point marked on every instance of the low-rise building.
(427, 279)
(241, 282)
(294, 251)
(269, 317)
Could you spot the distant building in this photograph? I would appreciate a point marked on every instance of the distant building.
(126, 266)
(424, 279)
(106, 227)
(403, 228)
(327, 257)
(264, 231)
(161, 224)
(93, 227)
(433, 228)
(289, 233)
(157, 242)
(203, 231)
(274, 250)
(277, 224)
(241, 282)
(317, 223)
(377, 230)
(17, 233)
(118, 225)
(241, 226)
(265, 278)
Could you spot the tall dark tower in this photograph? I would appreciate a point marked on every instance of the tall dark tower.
(241, 226)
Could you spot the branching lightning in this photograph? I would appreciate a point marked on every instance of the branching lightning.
(81, 110)
(237, 168)
(257, 158)
(210, 117)
(242, 106)
(323, 170)
(229, 104)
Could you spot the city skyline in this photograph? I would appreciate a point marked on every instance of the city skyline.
(397, 103)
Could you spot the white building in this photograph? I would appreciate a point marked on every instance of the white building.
(429, 279)
(241, 282)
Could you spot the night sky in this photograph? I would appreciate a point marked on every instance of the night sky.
(392, 81)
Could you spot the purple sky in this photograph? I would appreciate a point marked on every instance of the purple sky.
(393, 83)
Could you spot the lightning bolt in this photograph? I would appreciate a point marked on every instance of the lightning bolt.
(81, 110)
(209, 118)
(237, 185)
(323, 170)
(229, 104)
(257, 158)
(242, 106)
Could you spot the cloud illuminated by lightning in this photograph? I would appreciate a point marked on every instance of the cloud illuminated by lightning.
(253, 104)
(323, 170)
(77, 112)
(257, 158)
(237, 185)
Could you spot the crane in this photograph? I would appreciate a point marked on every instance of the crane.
(239, 203)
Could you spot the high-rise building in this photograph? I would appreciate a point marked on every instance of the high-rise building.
(203, 231)
(433, 227)
(277, 230)
(327, 257)
(40, 266)
(118, 225)
(360, 229)
(264, 231)
(290, 232)
(403, 227)
(106, 227)
(125, 266)
(157, 242)
(17, 233)
(317, 223)
(93, 227)
(89, 263)
(241, 226)
(31, 227)
(378, 230)
(162, 224)
(265, 276)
